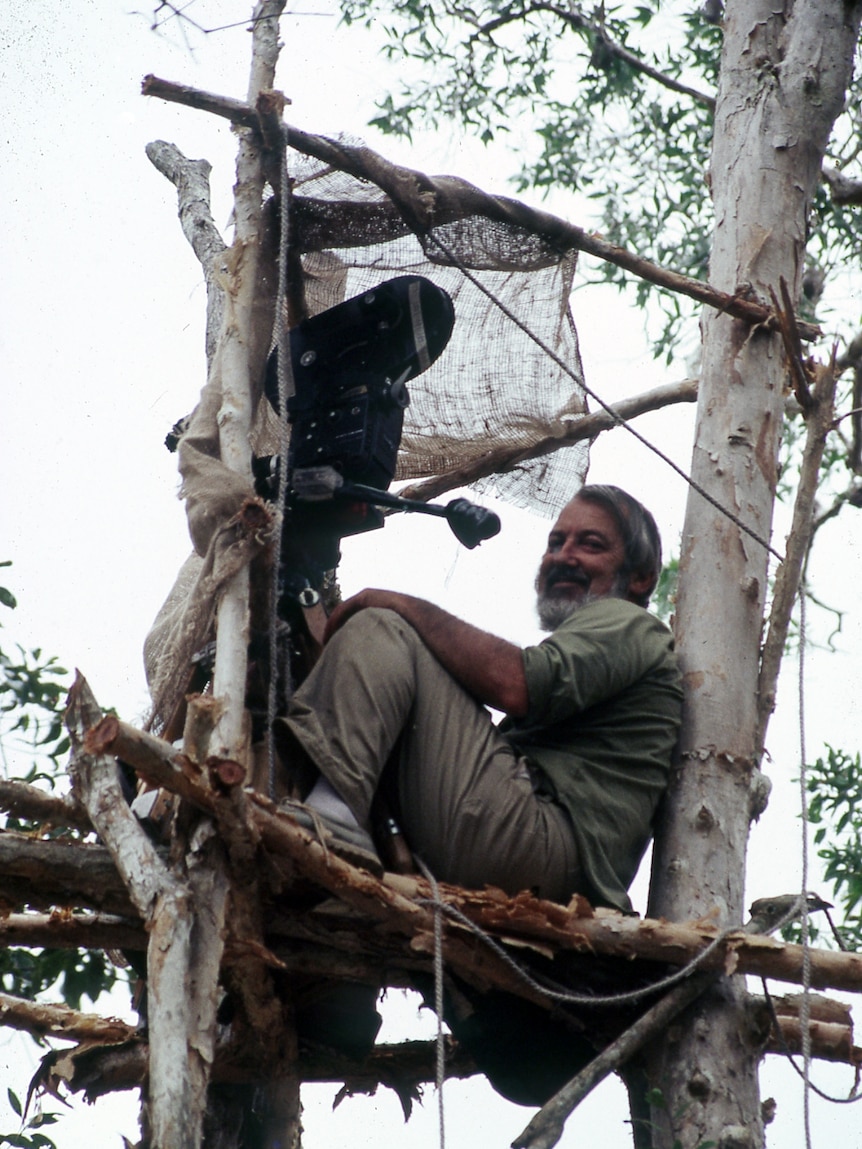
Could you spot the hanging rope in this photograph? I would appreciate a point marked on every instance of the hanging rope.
(278, 628)
(805, 1011)
(439, 907)
(785, 1049)
(552, 990)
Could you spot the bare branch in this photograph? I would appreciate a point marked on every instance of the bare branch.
(67, 930)
(191, 179)
(26, 801)
(844, 190)
(42, 1020)
(852, 496)
(576, 430)
(185, 919)
(95, 776)
(442, 199)
(819, 416)
(546, 1128)
(44, 874)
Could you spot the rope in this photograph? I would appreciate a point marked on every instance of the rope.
(785, 1049)
(277, 626)
(805, 1010)
(802, 902)
(439, 909)
(552, 990)
(618, 419)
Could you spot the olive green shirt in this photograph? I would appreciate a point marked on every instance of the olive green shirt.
(605, 697)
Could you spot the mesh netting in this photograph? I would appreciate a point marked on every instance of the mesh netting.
(493, 386)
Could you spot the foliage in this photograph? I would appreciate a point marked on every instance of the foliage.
(664, 595)
(32, 692)
(29, 1136)
(77, 973)
(32, 688)
(614, 102)
(835, 785)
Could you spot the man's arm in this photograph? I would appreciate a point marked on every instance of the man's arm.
(488, 667)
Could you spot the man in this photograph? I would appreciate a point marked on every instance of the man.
(560, 797)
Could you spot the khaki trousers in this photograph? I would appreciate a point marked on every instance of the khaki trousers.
(466, 800)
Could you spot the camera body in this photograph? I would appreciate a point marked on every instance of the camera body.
(349, 366)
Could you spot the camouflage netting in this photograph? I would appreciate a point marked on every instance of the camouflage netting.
(493, 386)
(357, 220)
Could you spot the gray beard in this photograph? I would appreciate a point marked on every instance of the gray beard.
(553, 612)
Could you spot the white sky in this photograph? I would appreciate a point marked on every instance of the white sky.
(101, 339)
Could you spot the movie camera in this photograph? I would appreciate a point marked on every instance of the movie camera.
(350, 367)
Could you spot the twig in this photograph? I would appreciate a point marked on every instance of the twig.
(790, 335)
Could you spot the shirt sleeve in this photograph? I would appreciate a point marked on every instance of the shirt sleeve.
(598, 651)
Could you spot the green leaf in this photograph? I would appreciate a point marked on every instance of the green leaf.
(14, 1102)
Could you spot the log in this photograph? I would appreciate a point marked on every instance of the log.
(26, 801)
(100, 1069)
(41, 1020)
(64, 929)
(44, 874)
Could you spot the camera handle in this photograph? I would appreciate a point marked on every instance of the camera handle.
(469, 523)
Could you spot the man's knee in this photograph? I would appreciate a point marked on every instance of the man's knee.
(377, 624)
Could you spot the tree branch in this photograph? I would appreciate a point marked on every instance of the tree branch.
(185, 920)
(26, 801)
(397, 903)
(610, 47)
(60, 1021)
(546, 1128)
(442, 199)
(575, 430)
(69, 930)
(819, 416)
(100, 1069)
(44, 874)
(95, 777)
(191, 179)
(844, 190)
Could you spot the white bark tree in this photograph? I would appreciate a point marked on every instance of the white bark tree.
(784, 74)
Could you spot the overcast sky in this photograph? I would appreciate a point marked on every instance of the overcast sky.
(101, 338)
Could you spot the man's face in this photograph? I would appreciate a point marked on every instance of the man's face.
(582, 562)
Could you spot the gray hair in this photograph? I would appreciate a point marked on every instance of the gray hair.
(641, 539)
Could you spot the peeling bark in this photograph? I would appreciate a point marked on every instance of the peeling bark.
(185, 919)
(784, 72)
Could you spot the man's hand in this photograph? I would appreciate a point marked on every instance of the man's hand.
(488, 667)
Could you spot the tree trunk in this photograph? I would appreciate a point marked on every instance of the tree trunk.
(784, 72)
